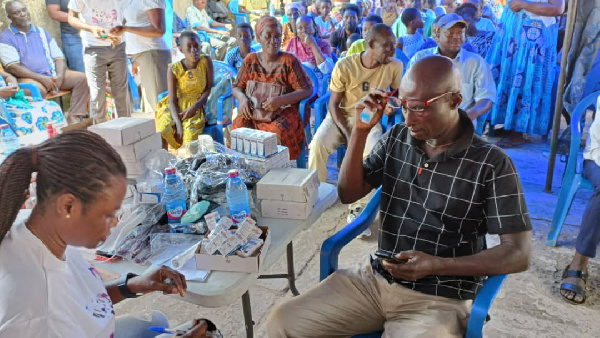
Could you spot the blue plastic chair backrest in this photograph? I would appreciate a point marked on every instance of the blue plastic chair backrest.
(402, 57)
(234, 6)
(222, 69)
(576, 129)
(313, 79)
(162, 95)
(33, 89)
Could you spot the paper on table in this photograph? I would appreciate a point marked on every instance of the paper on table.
(189, 270)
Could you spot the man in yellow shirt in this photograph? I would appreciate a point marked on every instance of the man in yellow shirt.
(353, 78)
(360, 45)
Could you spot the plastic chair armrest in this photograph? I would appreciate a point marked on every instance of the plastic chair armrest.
(481, 305)
(321, 109)
(220, 105)
(33, 88)
(333, 245)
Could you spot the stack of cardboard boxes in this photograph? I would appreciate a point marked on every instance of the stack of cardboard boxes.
(132, 138)
(260, 149)
(288, 193)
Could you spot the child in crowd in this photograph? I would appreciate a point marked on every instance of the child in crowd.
(180, 115)
(244, 36)
(411, 43)
(351, 39)
(324, 21)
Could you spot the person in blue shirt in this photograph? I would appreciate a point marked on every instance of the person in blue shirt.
(244, 36)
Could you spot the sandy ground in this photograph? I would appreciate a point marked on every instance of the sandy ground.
(528, 305)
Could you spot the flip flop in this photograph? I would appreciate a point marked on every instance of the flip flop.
(574, 287)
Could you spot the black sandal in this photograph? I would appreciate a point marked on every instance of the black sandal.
(574, 287)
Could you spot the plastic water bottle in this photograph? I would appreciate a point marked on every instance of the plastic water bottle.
(9, 140)
(237, 197)
(174, 196)
(272, 9)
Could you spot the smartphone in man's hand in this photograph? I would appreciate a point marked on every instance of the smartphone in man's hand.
(389, 256)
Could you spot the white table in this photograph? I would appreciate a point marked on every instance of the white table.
(223, 288)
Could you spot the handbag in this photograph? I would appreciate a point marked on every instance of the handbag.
(259, 92)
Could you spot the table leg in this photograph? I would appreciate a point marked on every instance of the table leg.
(291, 275)
(290, 268)
(248, 314)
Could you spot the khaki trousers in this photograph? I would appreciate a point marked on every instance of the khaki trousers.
(75, 82)
(359, 301)
(152, 67)
(326, 140)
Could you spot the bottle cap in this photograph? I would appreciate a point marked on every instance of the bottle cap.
(170, 171)
(233, 173)
(3, 126)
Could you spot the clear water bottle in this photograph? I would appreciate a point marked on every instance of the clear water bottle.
(237, 197)
(272, 8)
(174, 196)
(8, 140)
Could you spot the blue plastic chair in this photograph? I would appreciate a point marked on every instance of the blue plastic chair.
(133, 88)
(301, 161)
(400, 55)
(331, 248)
(234, 8)
(572, 180)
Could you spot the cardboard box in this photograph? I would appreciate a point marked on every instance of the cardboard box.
(290, 185)
(262, 165)
(138, 150)
(288, 210)
(134, 169)
(234, 263)
(125, 130)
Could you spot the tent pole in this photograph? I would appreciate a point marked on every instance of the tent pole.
(560, 92)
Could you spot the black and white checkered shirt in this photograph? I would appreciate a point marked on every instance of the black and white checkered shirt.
(445, 205)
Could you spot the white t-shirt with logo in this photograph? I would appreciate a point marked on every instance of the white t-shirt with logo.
(43, 296)
(104, 13)
(136, 16)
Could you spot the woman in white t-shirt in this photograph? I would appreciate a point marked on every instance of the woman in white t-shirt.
(47, 288)
(143, 32)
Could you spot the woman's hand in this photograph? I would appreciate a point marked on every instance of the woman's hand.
(179, 133)
(309, 40)
(188, 113)
(271, 104)
(516, 5)
(162, 279)
(7, 91)
(198, 330)
(246, 109)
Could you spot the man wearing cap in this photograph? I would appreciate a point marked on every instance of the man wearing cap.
(479, 88)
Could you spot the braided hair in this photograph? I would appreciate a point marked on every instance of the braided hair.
(77, 162)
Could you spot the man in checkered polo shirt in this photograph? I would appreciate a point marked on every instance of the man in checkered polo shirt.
(443, 189)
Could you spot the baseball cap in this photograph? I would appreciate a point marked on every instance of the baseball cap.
(448, 21)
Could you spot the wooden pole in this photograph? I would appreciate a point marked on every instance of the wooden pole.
(560, 92)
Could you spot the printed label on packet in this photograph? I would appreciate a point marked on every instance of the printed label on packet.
(246, 228)
(250, 248)
(212, 219)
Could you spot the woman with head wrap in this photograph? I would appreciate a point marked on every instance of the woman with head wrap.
(288, 31)
(269, 86)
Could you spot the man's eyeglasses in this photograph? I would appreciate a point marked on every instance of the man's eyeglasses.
(414, 105)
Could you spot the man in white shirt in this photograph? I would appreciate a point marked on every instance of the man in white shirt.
(198, 19)
(479, 88)
(575, 275)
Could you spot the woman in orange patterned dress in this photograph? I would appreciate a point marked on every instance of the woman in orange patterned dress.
(277, 68)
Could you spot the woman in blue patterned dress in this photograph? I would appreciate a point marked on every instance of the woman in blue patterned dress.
(25, 115)
(522, 58)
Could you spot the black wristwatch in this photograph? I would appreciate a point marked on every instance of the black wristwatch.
(123, 288)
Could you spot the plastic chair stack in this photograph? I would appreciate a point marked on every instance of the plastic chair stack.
(333, 245)
(572, 180)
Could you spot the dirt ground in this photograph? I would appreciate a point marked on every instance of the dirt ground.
(529, 304)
